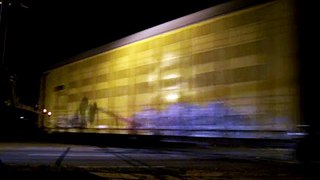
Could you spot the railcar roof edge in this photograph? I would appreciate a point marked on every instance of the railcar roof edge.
(193, 18)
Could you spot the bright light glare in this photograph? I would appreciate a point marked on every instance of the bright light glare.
(101, 126)
(49, 113)
(172, 97)
(172, 87)
(171, 76)
(44, 110)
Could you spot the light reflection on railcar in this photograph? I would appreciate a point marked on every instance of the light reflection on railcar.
(227, 75)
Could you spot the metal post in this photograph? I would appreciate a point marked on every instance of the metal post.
(3, 29)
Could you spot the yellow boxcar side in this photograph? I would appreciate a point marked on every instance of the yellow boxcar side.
(231, 73)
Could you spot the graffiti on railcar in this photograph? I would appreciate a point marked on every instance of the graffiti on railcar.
(235, 71)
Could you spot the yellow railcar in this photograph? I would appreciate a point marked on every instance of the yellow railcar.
(226, 71)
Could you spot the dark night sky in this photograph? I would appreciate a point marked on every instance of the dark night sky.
(44, 32)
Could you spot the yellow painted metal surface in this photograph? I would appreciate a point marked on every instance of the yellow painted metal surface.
(245, 60)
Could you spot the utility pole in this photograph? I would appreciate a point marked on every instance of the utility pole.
(4, 80)
(8, 94)
(3, 29)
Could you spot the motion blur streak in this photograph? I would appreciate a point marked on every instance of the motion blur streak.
(232, 74)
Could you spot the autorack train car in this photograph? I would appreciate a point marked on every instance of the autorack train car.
(226, 71)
